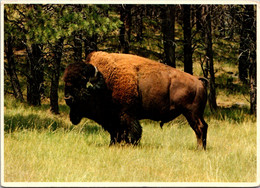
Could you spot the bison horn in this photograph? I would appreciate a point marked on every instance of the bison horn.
(95, 77)
(96, 71)
(90, 74)
(68, 97)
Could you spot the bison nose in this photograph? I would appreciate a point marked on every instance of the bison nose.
(68, 99)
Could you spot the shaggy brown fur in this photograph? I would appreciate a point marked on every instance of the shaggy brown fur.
(141, 88)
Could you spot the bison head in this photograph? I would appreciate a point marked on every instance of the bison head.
(83, 85)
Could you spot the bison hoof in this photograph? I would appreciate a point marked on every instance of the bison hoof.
(124, 142)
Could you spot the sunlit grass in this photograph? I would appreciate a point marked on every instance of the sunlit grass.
(167, 155)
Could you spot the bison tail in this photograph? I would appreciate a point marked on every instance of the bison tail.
(205, 81)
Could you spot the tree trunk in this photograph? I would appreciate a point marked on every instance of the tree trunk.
(247, 51)
(168, 26)
(209, 54)
(90, 45)
(12, 70)
(35, 75)
(253, 88)
(56, 76)
(244, 47)
(140, 25)
(187, 39)
(243, 61)
(198, 18)
(250, 9)
(77, 47)
(125, 29)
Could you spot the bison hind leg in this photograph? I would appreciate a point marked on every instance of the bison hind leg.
(200, 128)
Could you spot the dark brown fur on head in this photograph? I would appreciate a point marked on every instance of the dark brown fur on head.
(77, 72)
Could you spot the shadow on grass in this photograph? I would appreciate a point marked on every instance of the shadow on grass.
(233, 114)
(36, 122)
(87, 127)
(31, 121)
(225, 82)
(24, 116)
(62, 108)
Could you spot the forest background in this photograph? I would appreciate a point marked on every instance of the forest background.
(41, 40)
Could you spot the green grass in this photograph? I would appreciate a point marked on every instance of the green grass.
(37, 151)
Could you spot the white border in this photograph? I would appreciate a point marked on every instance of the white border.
(258, 95)
(122, 184)
(2, 92)
(127, 184)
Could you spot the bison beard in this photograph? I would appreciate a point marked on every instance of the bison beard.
(117, 90)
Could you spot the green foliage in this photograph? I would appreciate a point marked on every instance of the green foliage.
(44, 24)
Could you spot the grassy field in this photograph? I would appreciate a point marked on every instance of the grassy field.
(41, 147)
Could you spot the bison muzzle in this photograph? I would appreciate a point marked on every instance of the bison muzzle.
(117, 90)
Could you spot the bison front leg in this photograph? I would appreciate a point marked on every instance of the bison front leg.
(127, 130)
(115, 137)
(132, 129)
(116, 133)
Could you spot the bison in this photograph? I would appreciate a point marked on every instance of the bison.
(118, 90)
